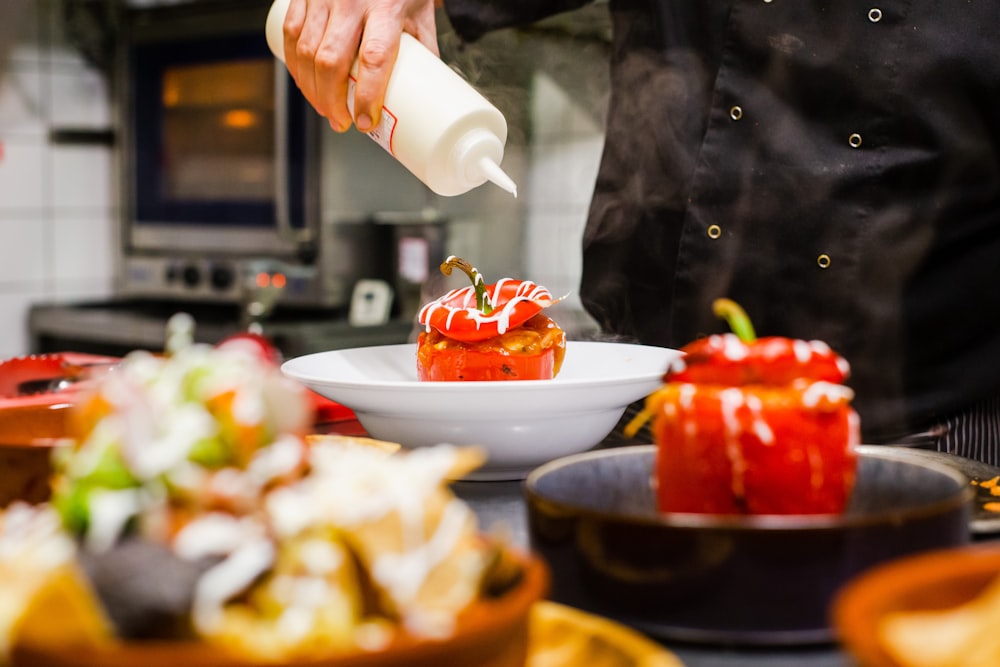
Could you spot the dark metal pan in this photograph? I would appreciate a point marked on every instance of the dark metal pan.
(764, 580)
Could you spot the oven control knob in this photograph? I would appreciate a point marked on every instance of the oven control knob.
(222, 277)
(191, 275)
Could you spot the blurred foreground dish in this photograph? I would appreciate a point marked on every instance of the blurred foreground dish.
(194, 521)
(36, 394)
(562, 636)
(940, 609)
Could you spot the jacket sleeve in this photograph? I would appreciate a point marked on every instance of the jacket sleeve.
(472, 19)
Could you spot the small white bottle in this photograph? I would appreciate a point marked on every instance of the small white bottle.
(433, 122)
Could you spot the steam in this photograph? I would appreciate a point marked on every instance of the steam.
(11, 12)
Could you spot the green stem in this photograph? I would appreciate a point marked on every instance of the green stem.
(478, 282)
(737, 318)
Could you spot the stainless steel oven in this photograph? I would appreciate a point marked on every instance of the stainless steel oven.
(222, 167)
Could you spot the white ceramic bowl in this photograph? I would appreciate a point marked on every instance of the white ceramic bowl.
(521, 424)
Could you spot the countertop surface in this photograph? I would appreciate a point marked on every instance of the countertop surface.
(500, 506)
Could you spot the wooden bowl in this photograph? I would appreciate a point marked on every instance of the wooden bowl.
(35, 407)
(936, 580)
(492, 633)
(29, 428)
(25, 471)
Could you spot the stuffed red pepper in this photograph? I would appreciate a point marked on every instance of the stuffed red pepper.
(754, 426)
(489, 332)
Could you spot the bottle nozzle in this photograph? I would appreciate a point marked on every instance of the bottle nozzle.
(493, 172)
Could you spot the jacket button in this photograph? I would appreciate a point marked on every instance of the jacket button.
(823, 261)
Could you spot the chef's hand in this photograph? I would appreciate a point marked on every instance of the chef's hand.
(324, 37)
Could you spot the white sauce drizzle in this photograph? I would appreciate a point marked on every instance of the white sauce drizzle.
(280, 458)
(730, 400)
(109, 512)
(761, 428)
(819, 347)
(802, 350)
(33, 534)
(822, 395)
(686, 395)
(351, 487)
(215, 533)
(463, 300)
(319, 557)
(403, 574)
(228, 483)
(290, 510)
(296, 621)
(224, 580)
(733, 349)
(685, 399)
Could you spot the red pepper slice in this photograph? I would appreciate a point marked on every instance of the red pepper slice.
(725, 359)
(740, 358)
(483, 311)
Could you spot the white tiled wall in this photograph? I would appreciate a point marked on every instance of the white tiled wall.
(57, 202)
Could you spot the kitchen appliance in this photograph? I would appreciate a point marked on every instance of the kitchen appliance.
(240, 206)
(222, 164)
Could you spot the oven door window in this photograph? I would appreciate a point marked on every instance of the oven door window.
(205, 119)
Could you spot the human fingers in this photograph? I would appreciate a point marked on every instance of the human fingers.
(376, 57)
(304, 27)
(379, 49)
(421, 24)
(334, 59)
(295, 18)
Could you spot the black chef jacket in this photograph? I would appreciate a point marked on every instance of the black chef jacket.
(832, 165)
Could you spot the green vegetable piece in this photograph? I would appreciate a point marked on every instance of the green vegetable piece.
(210, 452)
(73, 507)
(110, 472)
(737, 318)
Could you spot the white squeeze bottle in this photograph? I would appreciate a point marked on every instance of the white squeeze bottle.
(436, 124)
